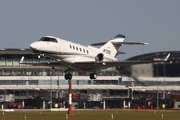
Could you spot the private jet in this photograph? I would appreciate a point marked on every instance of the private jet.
(73, 56)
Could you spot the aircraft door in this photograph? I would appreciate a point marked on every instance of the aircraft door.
(61, 49)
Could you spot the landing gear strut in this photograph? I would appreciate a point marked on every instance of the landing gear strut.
(68, 76)
(93, 76)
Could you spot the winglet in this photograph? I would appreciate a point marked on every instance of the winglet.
(161, 59)
(22, 60)
(167, 57)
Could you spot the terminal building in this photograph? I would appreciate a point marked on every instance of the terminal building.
(138, 86)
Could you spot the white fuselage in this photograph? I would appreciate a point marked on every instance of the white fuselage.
(68, 52)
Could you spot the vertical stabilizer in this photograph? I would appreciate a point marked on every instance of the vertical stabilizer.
(112, 46)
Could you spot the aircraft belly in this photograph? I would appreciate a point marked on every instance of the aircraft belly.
(88, 67)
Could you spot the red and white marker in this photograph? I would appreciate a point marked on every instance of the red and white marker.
(70, 98)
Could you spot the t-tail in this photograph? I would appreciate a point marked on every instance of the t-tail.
(111, 47)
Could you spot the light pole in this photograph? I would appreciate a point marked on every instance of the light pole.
(164, 74)
(58, 84)
(157, 85)
(51, 87)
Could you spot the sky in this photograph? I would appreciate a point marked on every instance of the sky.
(90, 21)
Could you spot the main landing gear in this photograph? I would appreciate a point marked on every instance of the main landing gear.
(68, 76)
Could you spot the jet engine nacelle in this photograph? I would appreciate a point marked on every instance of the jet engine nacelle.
(99, 57)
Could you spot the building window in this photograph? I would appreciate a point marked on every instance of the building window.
(2, 61)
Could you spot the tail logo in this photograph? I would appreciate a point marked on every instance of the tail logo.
(107, 51)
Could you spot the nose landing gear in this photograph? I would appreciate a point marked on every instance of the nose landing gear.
(93, 76)
(68, 76)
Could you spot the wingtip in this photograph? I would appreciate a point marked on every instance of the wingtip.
(146, 43)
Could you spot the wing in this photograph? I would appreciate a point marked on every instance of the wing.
(112, 64)
(135, 62)
(106, 64)
(92, 64)
(49, 64)
(88, 66)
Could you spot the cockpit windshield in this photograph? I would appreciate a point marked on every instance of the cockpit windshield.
(47, 39)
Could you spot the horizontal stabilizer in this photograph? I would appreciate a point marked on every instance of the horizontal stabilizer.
(119, 52)
(130, 43)
(121, 43)
(119, 36)
(119, 40)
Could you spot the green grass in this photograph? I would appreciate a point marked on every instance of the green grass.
(95, 115)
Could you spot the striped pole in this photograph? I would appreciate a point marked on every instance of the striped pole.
(70, 98)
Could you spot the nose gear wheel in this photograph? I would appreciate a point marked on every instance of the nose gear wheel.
(93, 76)
(68, 76)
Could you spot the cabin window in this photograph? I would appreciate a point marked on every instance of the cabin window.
(87, 51)
(73, 47)
(70, 46)
(77, 48)
(84, 50)
(80, 49)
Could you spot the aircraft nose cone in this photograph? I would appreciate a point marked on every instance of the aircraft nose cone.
(33, 46)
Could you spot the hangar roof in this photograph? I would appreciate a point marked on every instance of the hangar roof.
(174, 56)
(15, 51)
